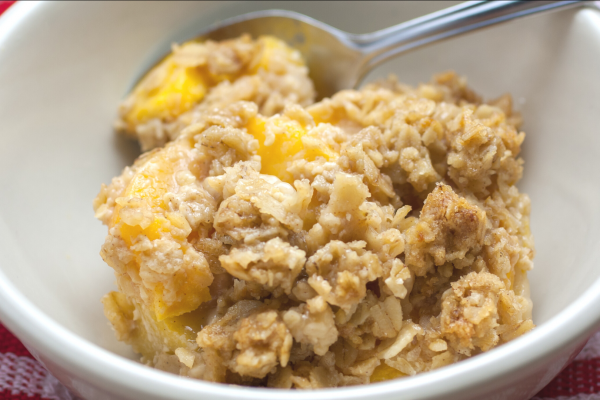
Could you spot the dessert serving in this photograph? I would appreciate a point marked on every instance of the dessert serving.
(273, 241)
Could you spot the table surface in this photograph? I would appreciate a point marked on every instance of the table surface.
(22, 377)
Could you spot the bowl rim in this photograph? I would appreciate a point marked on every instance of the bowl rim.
(102, 368)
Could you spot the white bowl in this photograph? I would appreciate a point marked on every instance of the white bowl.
(63, 69)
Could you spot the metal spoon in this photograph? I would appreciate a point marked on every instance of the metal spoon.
(339, 60)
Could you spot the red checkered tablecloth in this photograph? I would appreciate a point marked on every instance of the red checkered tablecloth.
(22, 377)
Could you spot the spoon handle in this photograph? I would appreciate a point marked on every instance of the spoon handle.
(379, 46)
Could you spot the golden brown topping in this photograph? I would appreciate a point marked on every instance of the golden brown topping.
(263, 342)
(273, 264)
(340, 271)
(312, 323)
(476, 310)
(449, 227)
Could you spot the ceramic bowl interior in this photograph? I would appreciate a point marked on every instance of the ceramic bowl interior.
(65, 66)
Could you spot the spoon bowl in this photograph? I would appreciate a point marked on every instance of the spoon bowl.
(331, 55)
